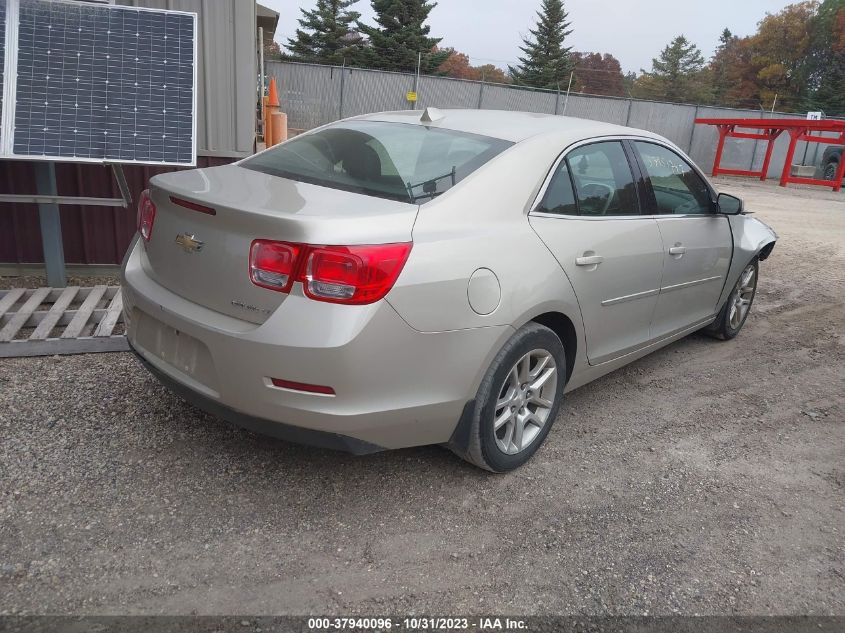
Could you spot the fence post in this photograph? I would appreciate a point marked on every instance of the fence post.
(756, 146)
(342, 80)
(568, 90)
(557, 100)
(628, 114)
(417, 81)
(481, 92)
(692, 131)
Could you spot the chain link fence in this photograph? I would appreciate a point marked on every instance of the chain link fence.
(313, 95)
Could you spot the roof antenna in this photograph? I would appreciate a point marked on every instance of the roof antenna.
(431, 115)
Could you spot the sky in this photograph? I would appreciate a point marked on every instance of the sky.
(634, 31)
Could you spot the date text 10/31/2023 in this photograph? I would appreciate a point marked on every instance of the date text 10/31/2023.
(420, 623)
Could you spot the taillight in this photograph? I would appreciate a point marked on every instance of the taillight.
(273, 264)
(146, 215)
(354, 275)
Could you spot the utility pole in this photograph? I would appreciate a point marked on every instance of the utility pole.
(417, 78)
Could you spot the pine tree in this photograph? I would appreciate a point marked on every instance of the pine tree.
(720, 65)
(676, 75)
(830, 97)
(828, 59)
(401, 35)
(327, 35)
(547, 62)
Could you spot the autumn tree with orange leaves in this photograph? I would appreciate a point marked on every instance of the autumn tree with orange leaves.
(598, 74)
(796, 56)
(458, 66)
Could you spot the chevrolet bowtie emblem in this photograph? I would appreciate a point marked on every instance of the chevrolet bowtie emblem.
(189, 242)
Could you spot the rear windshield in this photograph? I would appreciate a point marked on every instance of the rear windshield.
(398, 161)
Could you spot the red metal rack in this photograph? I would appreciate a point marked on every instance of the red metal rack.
(769, 130)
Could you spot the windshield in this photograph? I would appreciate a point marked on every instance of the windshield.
(398, 161)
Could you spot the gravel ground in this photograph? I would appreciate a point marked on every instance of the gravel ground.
(706, 478)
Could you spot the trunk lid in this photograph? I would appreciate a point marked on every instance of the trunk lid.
(250, 205)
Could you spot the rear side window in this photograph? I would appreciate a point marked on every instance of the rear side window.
(560, 196)
(397, 161)
(677, 188)
(604, 184)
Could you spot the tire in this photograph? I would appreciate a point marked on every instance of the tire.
(486, 444)
(731, 317)
(830, 170)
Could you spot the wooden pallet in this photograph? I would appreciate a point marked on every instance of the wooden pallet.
(48, 321)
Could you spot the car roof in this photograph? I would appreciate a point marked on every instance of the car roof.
(509, 125)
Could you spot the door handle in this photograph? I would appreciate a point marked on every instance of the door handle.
(677, 250)
(590, 260)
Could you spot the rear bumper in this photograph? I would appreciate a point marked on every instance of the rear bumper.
(281, 431)
(395, 387)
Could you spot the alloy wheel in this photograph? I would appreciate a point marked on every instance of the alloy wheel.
(525, 401)
(743, 294)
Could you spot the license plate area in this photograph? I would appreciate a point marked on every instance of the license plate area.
(176, 349)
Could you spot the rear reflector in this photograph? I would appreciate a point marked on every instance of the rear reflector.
(193, 206)
(273, 264)
(301, 386)
(146, 215)
(355, 275)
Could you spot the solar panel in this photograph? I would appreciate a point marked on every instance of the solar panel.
(104, 83)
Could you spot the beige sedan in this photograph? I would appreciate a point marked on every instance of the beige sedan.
(444, 277)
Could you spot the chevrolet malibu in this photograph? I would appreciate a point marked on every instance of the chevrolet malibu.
(444, 277)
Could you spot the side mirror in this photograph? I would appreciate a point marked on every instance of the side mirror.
(729, 205)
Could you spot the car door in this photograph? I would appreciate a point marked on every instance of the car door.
(697, 240)
(588, 215)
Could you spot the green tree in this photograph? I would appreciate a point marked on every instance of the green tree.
(677, 74)
(327, 35)
(628, 81)
(720, 65)
(547, 62)
(401, 35)
(828, 58)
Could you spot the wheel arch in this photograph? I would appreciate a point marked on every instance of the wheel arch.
(765, 251)
(564, 328)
